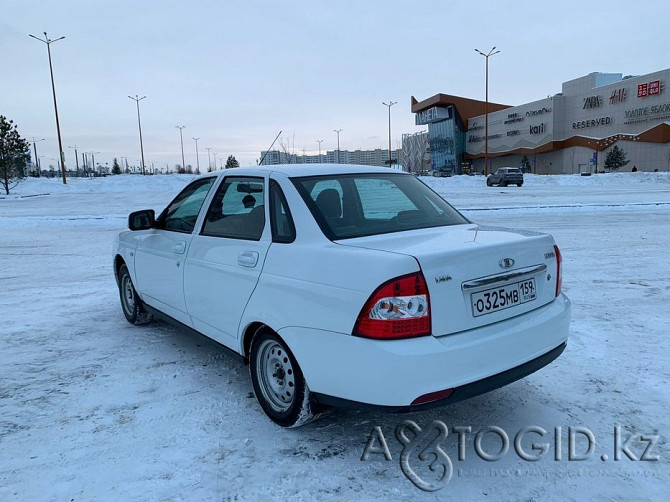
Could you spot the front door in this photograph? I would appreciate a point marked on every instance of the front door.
(159, 258)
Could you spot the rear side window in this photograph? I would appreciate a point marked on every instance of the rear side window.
(283, 229)
(237, 210)
(358, 205)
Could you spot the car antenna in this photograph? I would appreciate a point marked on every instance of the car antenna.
(476, 231)
(266, 151)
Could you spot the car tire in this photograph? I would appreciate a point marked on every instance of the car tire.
(132, 306)
(278, 382)
(503, 183)
(519, 184)
(488, 183)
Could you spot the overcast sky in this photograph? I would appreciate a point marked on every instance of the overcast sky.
(236, 73)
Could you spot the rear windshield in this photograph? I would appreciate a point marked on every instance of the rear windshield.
(513, 170)
(356, 205)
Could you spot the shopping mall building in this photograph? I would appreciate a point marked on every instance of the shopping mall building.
(569, 132)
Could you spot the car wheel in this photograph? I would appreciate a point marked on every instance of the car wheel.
(503, 183)
(519, 184)
(488, 183)
(131, 304)
(278, 382)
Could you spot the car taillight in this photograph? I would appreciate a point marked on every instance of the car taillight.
(559, 270)
(399, 308)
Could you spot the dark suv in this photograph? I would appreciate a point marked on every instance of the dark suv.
(505, 176)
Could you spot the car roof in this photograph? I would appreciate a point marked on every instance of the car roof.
(298, 170)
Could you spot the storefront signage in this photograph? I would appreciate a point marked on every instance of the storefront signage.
(541, 111)
(434, 114)
(583, 124)
(592, 102)
(513, 117)
(537, 129)
(647, 110)
(476, 139)
(649, 89)
(618, 96)
(516, 132)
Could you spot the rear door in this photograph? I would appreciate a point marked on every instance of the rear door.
(226, 256)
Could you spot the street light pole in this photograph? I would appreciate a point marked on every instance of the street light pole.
(486, 110)
(181, 138)
(37, 160)
(197, 157)
(76, 158)
(209, 159)
(137, 100)
(389, 105)
(93, 161)
(48, 42)
(214, 160)
(338, 131)
(319, 141)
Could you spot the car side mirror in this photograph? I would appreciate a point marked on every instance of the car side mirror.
(141, 220)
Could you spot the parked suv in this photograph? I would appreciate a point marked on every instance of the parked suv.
(505, 176)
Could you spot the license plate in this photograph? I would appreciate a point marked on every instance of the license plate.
(495, 299)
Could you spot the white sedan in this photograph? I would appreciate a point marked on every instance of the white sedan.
(345, 285)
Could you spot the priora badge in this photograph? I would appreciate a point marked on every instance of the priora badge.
(506, 263)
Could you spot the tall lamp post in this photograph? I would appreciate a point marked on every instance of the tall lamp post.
(486, 109)
(338, 131)
(76, 158)
(389, 105)
(37, 159)
(197, 157)
(209, 159)
(319, 141)
(181, 138)
(137, 100)
(48, 43)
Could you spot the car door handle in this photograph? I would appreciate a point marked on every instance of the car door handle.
(247, 258)
(179, 247)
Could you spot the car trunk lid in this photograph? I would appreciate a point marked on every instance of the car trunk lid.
(476, 275)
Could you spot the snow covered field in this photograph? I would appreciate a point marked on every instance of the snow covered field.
(92, 408)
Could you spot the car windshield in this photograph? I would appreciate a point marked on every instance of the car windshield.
(357, 205)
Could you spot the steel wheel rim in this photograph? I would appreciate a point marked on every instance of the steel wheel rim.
(128, 295)
(276, 376)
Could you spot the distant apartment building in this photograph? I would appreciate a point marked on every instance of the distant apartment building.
(377, 157)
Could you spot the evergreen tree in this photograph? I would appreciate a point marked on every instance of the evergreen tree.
(615, 159)
(232, 162)
(14, 151)
(116, 168)
(525, 164)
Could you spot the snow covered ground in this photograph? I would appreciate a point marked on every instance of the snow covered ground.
(92, 408)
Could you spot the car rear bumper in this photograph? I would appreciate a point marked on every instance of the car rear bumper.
(459, 393)
(393, 374)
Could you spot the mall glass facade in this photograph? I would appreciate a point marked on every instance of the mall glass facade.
(447, 143)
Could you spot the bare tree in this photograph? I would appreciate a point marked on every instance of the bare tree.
(287, 148)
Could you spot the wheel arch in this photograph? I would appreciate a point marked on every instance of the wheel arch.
(118, 262)
(248, 335)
